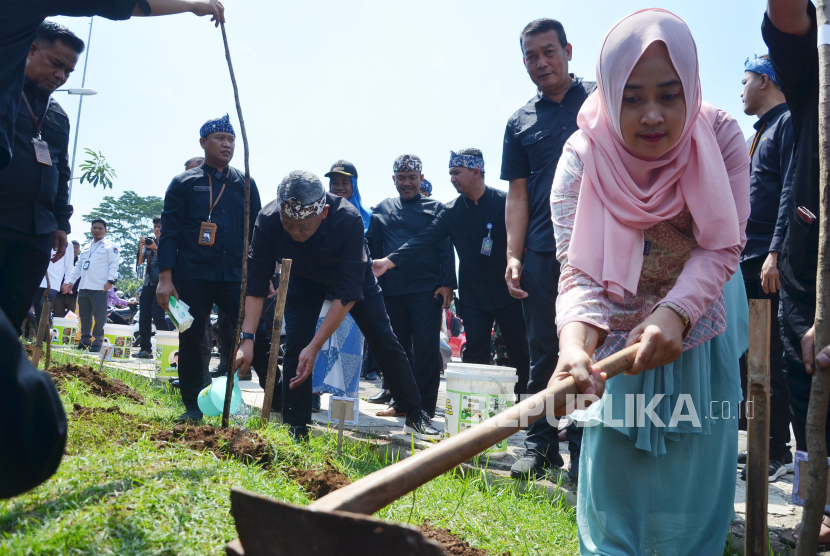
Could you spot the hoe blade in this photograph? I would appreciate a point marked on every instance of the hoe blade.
(270, 528)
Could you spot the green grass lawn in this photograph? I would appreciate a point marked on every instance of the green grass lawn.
(117, 492)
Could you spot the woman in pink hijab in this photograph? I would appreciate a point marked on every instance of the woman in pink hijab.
(649, 206)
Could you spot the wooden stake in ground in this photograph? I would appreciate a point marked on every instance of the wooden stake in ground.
(42, 326)
(279, 310)
(241, 315)
(820, 390)
(757, 472)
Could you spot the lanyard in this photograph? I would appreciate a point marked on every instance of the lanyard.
(211, 204)
(755, 141)
(32, 113)
(489, 229)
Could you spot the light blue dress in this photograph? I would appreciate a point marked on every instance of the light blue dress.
(667, 491)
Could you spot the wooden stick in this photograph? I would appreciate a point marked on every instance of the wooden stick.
(816, 495)
(758, 388)
(383, 487)
(42, 325)
(226, 410)
(279, 310)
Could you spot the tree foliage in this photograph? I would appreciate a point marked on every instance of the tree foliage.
(97, 170)
(128, 218)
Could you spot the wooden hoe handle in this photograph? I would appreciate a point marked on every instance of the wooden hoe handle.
(383, 487)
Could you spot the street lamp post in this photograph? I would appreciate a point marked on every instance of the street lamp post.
(80, 105)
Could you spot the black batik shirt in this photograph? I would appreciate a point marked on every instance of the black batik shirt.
(186, 206)
(336, 256)
(533, 142)
(19, 22)
(795, 60)
(480, 277)
(394, 222)
(34, 198)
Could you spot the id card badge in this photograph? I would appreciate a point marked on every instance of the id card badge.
(486, 246)
(42, 151)
(487, 242)
(86, 265)
(207, 233)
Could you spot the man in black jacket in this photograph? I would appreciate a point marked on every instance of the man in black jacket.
(200, 249)
(323, 235)
(34, 191)
(474, 221)
(414, 299)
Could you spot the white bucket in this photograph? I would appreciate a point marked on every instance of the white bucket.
(474, 394)
(121, 337)
(167, 352)
(64, 331)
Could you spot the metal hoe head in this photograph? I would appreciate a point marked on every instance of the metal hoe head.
(270, 528)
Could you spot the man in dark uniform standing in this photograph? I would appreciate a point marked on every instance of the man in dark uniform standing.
(474, 221)
(414, 299)
(200, 249)
(323, 236)
(34, 191)
(533, 142)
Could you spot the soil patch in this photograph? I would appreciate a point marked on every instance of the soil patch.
(319, 482)
(30, 350)
(452, 544)
(99, 384)
(243, 445)
(80, 411)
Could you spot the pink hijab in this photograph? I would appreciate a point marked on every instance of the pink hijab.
(621, 194)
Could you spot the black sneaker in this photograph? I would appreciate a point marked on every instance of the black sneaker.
(420, 426)
(316, 403)
(95, 349)
(299, 433)
(81, 345)
(371, 376)
(192, 416)
(533, 465)
(573, 470)
(776, 469)
(143, 354)
(741, 459)
(381, 398)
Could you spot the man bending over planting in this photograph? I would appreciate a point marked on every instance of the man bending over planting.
(323, 235)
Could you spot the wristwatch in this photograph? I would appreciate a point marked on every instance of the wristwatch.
(112, 282)
(680, 312)
(247, 336)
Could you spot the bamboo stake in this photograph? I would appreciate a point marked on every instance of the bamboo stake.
(820, 390)
(42, 325)
(241, 315)
(279, 310)
(757, 475)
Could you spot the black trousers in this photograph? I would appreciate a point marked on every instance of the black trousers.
(150, 312)
(24, 260)
(302, 309)
(64, 302)
(540, 279)
(200, 295)
(796, 318)
(478, 325)
(416, 322)
(779, 429)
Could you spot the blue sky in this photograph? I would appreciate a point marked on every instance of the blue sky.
(364, 81)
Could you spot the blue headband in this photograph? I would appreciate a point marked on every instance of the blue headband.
(219, 124)
(426, 186)
(761, 66)
(466, 160)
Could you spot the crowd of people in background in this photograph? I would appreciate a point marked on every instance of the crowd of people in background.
(635, 212)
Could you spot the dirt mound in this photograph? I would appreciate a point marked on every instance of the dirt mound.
(80, 411)
(452, 544)
(99, 384)
(319, 482)
(243, 445)
(29, 349)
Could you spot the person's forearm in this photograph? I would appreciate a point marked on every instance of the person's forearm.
(789, 16)
(165, 7)
(516, 216)
(140, 255)
(253, 310)
(579, 335)
(337, 312)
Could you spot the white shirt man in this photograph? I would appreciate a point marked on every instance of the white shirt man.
(97, 267)
(56, 271)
